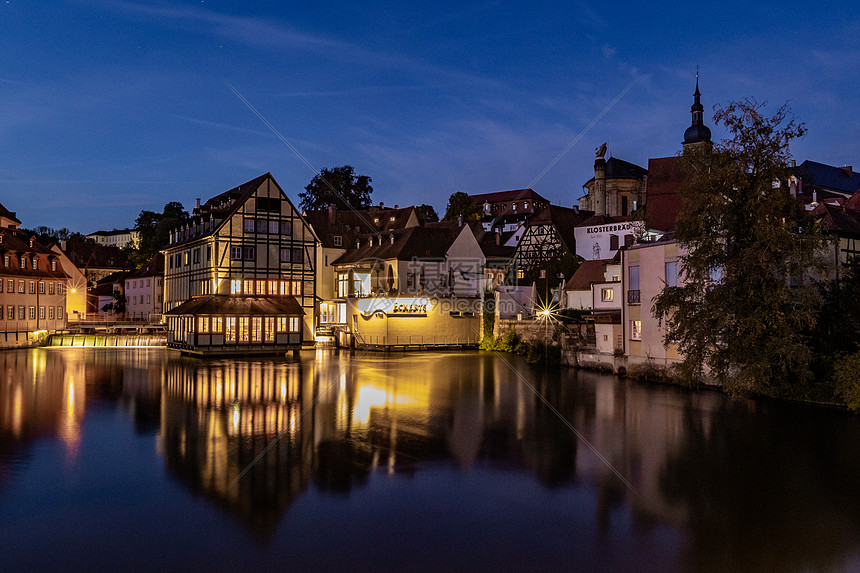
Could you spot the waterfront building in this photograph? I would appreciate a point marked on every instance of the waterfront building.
(32, 287)
(240, 274)
(419, 287)
(337, 231)
(596, 287)
(144, 291)
(119, 238)
(76, 291)
(646, 269)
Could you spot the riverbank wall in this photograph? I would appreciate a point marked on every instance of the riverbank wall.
(107, 340)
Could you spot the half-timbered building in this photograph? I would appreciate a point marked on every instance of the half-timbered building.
(549, 237)
(239, 275)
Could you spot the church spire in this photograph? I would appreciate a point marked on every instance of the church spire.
(698, 131)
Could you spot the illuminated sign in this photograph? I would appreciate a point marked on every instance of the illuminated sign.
(393, 307)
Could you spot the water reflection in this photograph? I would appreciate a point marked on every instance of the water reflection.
(750, 485)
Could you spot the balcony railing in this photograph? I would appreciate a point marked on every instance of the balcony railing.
(633, 297)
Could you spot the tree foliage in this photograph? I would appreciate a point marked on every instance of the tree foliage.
(748, 255)
(460, 203)
(154, 229)
(427, 213)
(337, 186)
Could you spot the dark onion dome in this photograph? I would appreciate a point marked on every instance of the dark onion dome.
(698, 131)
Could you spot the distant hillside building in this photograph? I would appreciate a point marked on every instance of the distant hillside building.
(507, 211)
(144, 291)
(119, 238)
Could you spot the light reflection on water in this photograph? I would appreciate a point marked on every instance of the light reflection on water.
(416, 451)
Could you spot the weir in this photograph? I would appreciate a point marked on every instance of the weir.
(107, 340)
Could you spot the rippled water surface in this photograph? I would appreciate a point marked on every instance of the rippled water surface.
(141, 459)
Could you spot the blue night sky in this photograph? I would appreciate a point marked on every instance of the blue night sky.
(109, 108)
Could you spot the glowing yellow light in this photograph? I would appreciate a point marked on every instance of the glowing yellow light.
(74, 290)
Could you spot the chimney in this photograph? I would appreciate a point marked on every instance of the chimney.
(396, 206)
(197, 204)
(848, 170)
(381, 205)
(793, 163)
(332, 213)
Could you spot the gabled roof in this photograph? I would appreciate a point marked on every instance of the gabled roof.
(17, 243)
(564, 219)
(4, 212)
(500, 196)
(841, 179)
(221, 207)
(414, 242)
(239, 305)
(350, 224)
(663, 203)
(589, 272)
(838, 219)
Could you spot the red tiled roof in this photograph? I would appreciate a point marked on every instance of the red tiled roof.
(4, 212)
(588, 272)
(513, 195)
(663, 203)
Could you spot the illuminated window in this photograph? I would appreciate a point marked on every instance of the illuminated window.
(256, 328)
(22, 263)
(50, 313)
(270, 329)
(261, 287)
(51, 288)
(297, 288)
(284, 287)
(54, 265)
(273, 287)
(32, 287)
(249, 286)
(236, 286)
(32, 313)
(41, 313)
(294, 324)
(243, 329)
(282, 323)
(607, 294)
(21, 287)
(11, 312)
(35, 264)
(187, 256)
(230, 323)
(59, 313)
(41, 287)
(203, 324)
(6, 260)
(217, 324)
(10, 285)
(636, 329)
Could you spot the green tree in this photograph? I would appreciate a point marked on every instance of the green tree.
(337, 186)
(427, 213)
(460, 203)
(154, 229)
(748, 253)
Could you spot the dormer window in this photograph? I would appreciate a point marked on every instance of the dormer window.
(392, 218)
(35, 264)
(54, 265)
(338, 240)
(23, 262)
(376, 220)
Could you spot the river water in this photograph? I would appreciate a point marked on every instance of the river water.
(139, 459)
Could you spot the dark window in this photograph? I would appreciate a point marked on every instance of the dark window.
(196, 255)
(298, 255)
(236, 253)
(286, 228)
(250, 253)
(624, 205)
(249, 225)
(613, 242)
(268, 204)
(285, 255)
(262, 225)
(628, 240)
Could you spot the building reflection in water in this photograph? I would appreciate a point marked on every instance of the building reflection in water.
(753, 485)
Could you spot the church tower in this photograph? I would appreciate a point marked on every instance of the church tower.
(698, 132)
